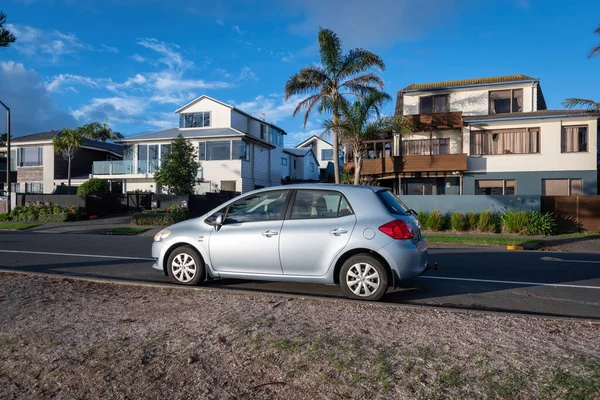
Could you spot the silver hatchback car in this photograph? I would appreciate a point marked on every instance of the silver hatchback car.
(363, 238)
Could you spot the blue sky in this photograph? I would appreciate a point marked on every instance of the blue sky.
(132, 63)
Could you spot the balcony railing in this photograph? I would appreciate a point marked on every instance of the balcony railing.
(121, 167)
(447, 120)
(428, 163)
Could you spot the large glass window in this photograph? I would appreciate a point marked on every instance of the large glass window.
(425, 147)
(311, 204)
(263, 132)
(562, 187)
(276, 136)
(194, 120)
(433, 104)
(153, 158)
(29, 156)
(283, 161)
(506, 101)
(220, 150)
(508, 141)
(574, 139)
(258, 207)
(240, 150)
(142, 158)
(13, 160)
(327, 154)
(495, 187)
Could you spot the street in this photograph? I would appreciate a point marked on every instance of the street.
(543, 283)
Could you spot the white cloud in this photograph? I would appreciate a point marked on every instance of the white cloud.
(275, 109)
(295, 138)
(396, 21)
(220, 22)
(109, 49)
(247, 73)
(237, 30)
(111, 109)
(67, 79)
(33, 109)
(171, 57)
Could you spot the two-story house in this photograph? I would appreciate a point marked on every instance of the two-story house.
(487, 136)
(237, 151)
(38, 168)
(323, 151)
(299, 165)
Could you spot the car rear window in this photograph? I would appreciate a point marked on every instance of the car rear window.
(393, 204)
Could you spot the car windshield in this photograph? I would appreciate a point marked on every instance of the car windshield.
(393, 204)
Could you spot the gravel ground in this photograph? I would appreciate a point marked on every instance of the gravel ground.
(68, 339)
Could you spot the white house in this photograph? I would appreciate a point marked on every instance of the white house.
(487, 136)
(323, 151)
(237, 151)
(299, 164)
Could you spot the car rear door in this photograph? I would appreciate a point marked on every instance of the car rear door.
(319, 226)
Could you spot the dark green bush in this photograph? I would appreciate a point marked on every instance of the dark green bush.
(488, 222)
(436, 221)
(157, 219)
(540, 224)
(472, 219)
(422, 216)
(458, 221)
(5, 217)
(94, 187)
(56, 218)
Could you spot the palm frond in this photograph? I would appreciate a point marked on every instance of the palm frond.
(6, 36)
(360, 60)
(307, 106)
(307, 80)
(367, 79)
(330, 48)
(596, 49)
(588, 104)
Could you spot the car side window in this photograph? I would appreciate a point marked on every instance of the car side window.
(312, 204)
(259, 207)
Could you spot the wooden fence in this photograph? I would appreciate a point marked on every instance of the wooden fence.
(574, 213)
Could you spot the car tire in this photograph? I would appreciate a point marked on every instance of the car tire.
(363, 277)
(185, 266)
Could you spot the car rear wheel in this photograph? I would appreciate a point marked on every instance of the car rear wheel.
(185, 267)
(363, 277)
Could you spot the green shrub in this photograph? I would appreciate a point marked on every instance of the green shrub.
(41, 212)
(540, 224)
(513, 221)
(55, 218)
(180, 213)
(423, 216)
(458, 221)
(5, 217)
(94, 187)
(155, 211)
(471, 218)
(487, 222)
(436, 221)
(158, 219)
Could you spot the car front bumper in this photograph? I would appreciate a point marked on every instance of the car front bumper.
(158, 251)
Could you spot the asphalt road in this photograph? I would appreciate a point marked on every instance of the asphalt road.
(554, 284)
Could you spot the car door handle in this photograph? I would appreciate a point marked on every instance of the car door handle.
(337, 232)
(270, 233)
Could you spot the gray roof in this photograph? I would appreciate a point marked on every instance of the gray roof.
(106, 146)
(172, 133)
(48, 136)
(301, 152)
(533, 115)
(35, 137)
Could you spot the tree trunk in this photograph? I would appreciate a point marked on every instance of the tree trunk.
(69, 174)
(357, 167)
(336, 148)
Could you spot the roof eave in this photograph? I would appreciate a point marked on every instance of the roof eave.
(469, 86)
(533, 117)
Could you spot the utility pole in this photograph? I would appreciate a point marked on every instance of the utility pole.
(8, 190)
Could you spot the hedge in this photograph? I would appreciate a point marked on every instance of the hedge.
(56, 218)
(158, 219)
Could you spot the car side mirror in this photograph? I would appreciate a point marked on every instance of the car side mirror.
(219, 220)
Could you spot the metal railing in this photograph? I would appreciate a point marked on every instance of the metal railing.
(121, 167)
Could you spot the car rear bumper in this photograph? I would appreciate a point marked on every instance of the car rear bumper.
(405, 258)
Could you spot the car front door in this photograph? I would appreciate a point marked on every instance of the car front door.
(248, 240)
(319, 227)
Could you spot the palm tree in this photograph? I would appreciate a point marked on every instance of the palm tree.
(67, 142)
(98, 131)
(362, 121)
(596, 49)
(590, 105)
(6, 37)
(328, 84)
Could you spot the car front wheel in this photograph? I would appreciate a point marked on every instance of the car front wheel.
(363, 277)
(185, 267)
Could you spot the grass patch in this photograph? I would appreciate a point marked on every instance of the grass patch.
(485, 240)
(16, 227)
(451, 379)
(127, 231)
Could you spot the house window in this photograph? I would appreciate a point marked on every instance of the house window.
(276, 136)
(263, 132)
(508, 141)
(142, 158)
(34, 188)
(425, 147)
(327, 154)
(283, 161)
(194, 120)
(294, 163)
(496, 187)
(30, 157)
(379, 149)
(202, 151)
(240, 150)
(220, 150)
(13, 160)
(574, 139)
(506, 101)
(153, 158)
(433, 104)
(562, 187)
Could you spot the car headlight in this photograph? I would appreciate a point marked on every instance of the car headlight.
(161, 235)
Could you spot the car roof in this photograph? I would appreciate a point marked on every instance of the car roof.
(324, 186)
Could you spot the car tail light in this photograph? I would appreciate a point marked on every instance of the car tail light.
(397, 229)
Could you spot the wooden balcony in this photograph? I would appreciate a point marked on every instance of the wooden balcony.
(430, 163)
(449, 120)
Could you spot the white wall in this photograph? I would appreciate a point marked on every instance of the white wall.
(220, 115)
(453, 134)
(239, 121)
(48, 162)
(262, 169)
(321, 145)
(471, 101)
(286, 170)
(550, 157)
